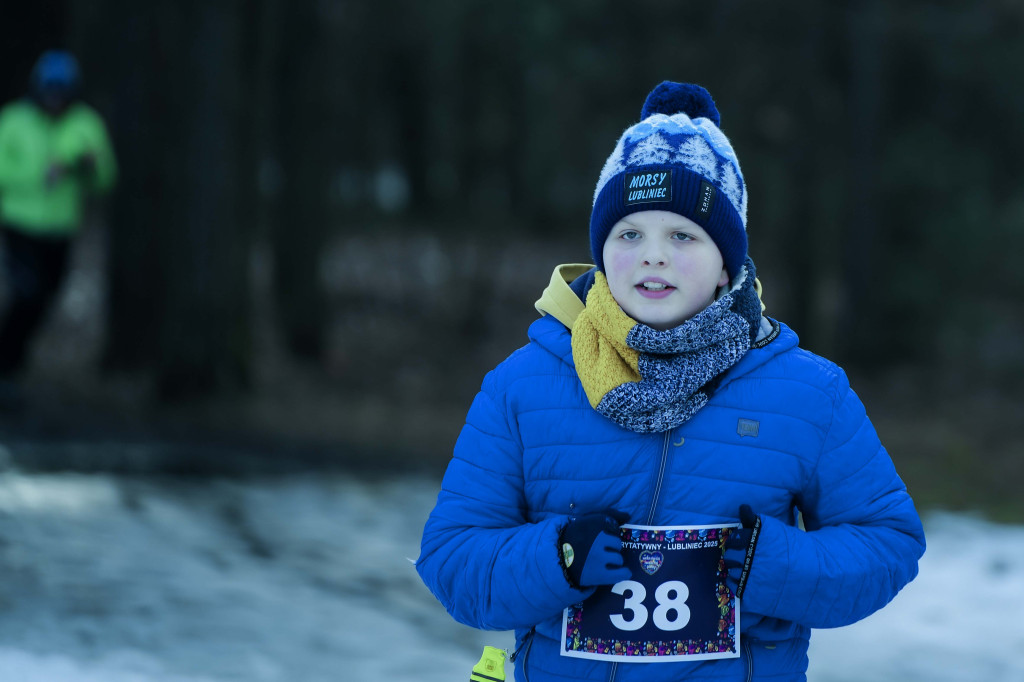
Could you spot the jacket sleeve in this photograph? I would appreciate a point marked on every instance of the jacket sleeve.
(863, 537)
(95, 131)
(17, 167)
(481, 557)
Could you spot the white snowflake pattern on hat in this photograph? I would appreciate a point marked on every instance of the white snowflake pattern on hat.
(651, 150)
(696, 154)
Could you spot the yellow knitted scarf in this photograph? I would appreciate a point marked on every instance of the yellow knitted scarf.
(599, 351)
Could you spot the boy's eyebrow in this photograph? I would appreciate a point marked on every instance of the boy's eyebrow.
(673, 225)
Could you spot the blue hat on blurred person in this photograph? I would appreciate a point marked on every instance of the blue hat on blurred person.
(675, 159)
(56, 72)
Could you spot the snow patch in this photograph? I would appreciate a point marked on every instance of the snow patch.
(115, 579)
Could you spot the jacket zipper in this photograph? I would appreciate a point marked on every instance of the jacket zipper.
(750, 660)
(663, 464)
(524, 650)
(661, 477)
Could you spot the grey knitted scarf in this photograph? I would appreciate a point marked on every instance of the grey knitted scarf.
(680, 367)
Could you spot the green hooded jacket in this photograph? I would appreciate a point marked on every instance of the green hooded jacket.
(31, 141)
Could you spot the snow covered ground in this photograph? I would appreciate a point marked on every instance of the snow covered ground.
(120, 579)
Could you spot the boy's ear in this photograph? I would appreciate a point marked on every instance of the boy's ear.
(724, 279)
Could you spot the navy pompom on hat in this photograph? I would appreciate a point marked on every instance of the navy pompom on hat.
(675, 159)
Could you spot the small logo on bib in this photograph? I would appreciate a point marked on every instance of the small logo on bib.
(651, 561)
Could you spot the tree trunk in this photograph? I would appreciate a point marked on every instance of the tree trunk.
(179, 251)
(860, 231)
(204, 340)
(300, 228)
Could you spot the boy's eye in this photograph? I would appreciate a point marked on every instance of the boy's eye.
(682, 236)
(630, 235)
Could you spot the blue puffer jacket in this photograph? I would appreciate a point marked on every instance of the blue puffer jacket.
(533, 451)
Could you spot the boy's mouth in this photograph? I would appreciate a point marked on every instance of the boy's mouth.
(654, 288)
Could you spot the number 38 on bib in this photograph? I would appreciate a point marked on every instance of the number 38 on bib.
(675, 607)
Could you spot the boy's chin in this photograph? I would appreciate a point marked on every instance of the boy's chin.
(662, 324)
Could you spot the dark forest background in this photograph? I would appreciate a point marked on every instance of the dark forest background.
(334, 216)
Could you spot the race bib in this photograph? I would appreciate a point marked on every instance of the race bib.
(675, 607)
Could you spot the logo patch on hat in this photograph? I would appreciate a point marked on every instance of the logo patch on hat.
(643, 188)
(705, 199)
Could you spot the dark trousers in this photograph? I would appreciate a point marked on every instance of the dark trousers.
(34, 269)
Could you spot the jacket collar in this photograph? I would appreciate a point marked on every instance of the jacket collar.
(560, 298)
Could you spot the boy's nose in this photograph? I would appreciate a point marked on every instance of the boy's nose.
(654, 253)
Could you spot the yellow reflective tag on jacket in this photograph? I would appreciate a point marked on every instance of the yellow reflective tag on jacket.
(491, 667)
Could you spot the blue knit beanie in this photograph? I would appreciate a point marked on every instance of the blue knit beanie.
(56, 71)
(675, 159)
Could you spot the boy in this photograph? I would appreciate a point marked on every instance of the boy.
(654, 391)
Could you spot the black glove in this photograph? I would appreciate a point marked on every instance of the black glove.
(590, 549)
(739, 550)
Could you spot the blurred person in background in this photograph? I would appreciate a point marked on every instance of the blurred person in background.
(655, 390)
(54, 153)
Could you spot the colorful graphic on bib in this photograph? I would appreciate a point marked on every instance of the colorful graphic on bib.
(675, 607)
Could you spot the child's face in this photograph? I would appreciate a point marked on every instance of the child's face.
(662, 268)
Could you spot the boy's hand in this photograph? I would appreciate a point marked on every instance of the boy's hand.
(739, 550)
(590, 549)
